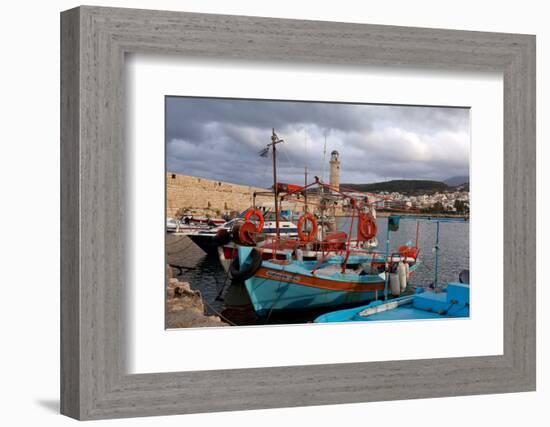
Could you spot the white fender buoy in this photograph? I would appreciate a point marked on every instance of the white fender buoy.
(320, 234)
(394, 284)
(402, 273)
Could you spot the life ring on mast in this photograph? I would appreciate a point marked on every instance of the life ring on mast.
(367, 227)
(245, 233)
(258, 214)
(304, 235)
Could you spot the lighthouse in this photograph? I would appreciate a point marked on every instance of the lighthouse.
(335, 170)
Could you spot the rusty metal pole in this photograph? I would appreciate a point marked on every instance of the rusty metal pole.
(305, 190)
(275, 189)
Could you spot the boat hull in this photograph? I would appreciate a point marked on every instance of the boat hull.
(275, 290)
(207, 242)
(453, 302)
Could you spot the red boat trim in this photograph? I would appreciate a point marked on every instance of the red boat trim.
(315, 282)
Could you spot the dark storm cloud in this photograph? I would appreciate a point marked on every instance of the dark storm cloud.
(220, 139)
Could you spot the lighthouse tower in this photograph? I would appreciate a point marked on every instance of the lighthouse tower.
(335, 170)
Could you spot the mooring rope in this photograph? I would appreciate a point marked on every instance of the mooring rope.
(218, 313)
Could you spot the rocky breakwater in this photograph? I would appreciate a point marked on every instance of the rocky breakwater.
(185, 308)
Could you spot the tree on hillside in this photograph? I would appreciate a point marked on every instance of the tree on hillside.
(462, 207)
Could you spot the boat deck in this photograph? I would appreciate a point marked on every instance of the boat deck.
(407, 312)
(454, 302)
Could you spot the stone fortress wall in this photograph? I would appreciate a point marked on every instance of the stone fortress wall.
(200, 194)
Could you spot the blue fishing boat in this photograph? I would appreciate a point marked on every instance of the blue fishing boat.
(451, 302)
(428, 302)
(352, 277)
(346, 270)
(281, 285)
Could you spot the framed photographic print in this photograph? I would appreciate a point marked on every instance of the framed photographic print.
(348, 211)
(262, 249)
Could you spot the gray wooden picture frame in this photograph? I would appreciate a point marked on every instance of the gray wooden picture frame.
(94, 41)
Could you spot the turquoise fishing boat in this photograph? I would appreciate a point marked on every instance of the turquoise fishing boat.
(428, 302)
(346, 270)
(281, 285)
(351, 278)
(451, 302)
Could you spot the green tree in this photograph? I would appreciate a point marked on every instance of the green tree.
(462, 207)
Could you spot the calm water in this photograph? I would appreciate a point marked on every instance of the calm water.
(454, 253)
(209, 277)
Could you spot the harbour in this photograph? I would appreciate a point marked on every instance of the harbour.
(295, 244)
(206, 274)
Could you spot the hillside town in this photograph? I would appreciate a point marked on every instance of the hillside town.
(456, 201)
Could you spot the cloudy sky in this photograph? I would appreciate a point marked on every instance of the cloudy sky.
(220, 139)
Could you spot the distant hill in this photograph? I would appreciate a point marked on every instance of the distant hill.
(400, 186)
(457, 180)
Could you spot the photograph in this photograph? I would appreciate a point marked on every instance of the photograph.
(309, 212)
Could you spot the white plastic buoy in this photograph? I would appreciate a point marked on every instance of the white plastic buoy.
(395, 289)
(320, 234)
(402, 273)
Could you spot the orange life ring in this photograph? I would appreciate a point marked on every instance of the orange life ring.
(246, 233)
(367, 227)
(257, 213)
(307, 236)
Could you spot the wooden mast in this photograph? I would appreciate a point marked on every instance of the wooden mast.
(305, 171)
(305, 185)
(274, 141)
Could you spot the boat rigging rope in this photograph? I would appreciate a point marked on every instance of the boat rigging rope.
(453, 303)
(276, 301)
(349, 241)
(180, 268)
(265, 172)
(217, 313)
(220, 291)
(288, 158)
